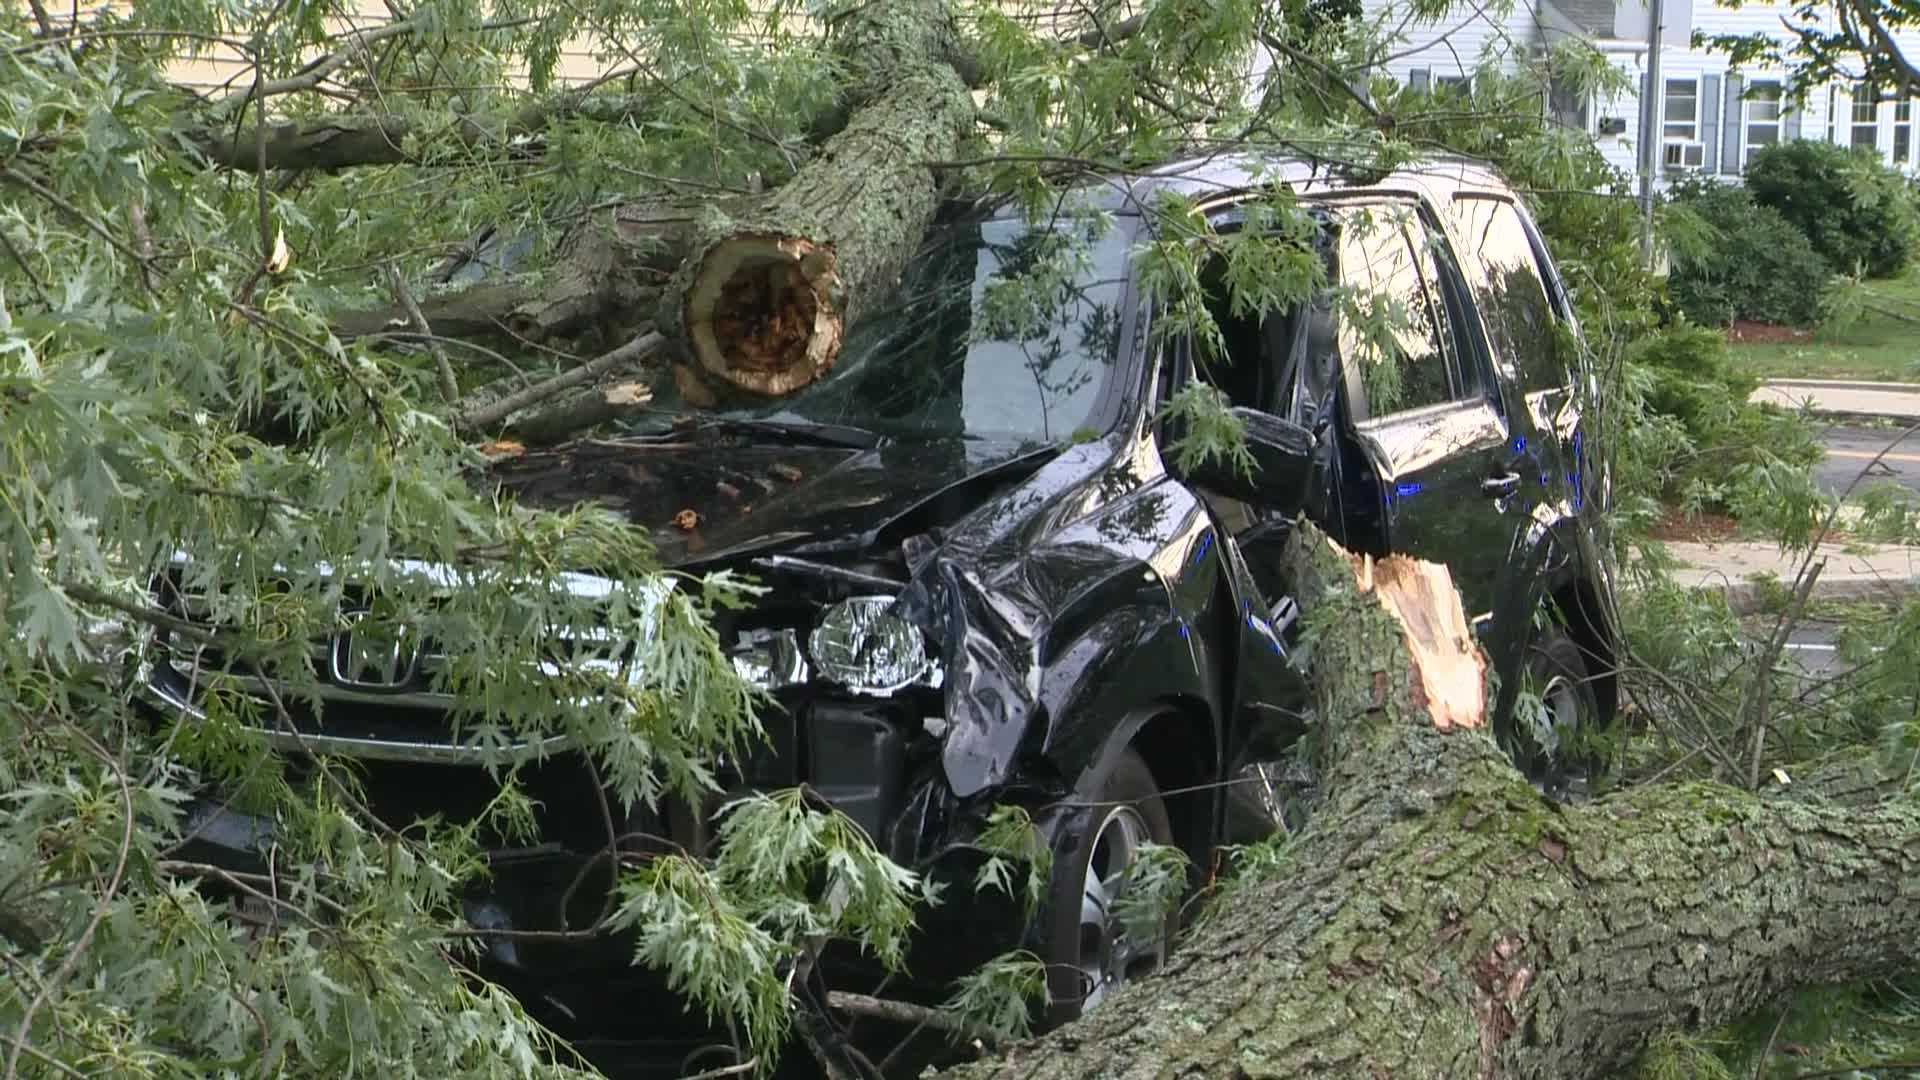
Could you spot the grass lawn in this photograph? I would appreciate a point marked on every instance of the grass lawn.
(1877, 346)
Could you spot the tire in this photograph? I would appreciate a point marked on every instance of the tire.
(1089, 954)
(1553, 742)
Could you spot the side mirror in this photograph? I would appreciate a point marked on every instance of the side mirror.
(1282, 463)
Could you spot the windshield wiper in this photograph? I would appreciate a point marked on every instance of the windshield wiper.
(798, 431)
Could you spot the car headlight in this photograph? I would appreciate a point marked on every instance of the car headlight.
(770, 659)
(862, 645)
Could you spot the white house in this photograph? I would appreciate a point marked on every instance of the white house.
(1712, 118)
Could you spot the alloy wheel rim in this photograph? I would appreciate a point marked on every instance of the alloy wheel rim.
(1110, 955)
(1554, 731)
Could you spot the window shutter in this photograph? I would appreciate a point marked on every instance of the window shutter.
(1731, 136)
(1710, 122)
(1789, 116)
(1419, 79)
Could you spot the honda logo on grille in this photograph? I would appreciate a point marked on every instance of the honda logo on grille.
(370, 657)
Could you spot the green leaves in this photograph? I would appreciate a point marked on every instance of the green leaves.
(1001, 995)
(1208, 432)
(787, 876)
(1012, 840)
(808, 870)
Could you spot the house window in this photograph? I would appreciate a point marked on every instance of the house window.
(1763, 115)
(1903, 129)
(1683, 109)
(1453, 84)
(1866, 114)
(1567, 103)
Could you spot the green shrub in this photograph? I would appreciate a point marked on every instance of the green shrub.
(1693, 378)
(1742, 261)
(1858, 214)
(1687, 436)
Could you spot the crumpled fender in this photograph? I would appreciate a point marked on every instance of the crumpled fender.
(1039, 653)
(991, 682)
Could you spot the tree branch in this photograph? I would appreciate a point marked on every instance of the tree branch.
(487, 414)
(904, 1012)
(449, 385)
(341, 142)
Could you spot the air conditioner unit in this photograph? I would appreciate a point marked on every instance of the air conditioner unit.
(1684, 155)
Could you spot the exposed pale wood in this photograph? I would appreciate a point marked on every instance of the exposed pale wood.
(1451, 672)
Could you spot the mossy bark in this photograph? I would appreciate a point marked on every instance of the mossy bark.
(763, 301)
(1438, 918)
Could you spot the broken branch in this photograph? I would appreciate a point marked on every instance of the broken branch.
(634, 352)
(449, 385)
(904, 1012)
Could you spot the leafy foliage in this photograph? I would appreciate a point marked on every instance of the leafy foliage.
(1857, 213)
(1001, 994)
(1743, 260)
(1009, 840)
(1155, 881)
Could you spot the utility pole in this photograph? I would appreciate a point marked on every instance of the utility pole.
(1652, 123)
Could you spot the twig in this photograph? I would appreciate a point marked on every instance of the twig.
(904, 1012)
(746, 1066)
(1760, 1067)
(1891, 314)
(633, 352)
(1762, 684)
(41, 18)
(828, 1065)
(449, 385)
(321, 67)
(1101, 35)
(70, 210)
(39, 287)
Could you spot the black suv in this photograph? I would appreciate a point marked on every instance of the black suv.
(988, 583)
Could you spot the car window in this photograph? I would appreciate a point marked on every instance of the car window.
(1506, 283)
(1395, 329)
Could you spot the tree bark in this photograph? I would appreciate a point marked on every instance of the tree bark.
(605, 282)
(354, 140)
(1439, 918)
(763, 301)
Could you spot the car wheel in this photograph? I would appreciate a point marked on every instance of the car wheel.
(1557, 718)
(1090, 951)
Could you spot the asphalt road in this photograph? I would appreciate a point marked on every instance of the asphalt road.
(1851, 448)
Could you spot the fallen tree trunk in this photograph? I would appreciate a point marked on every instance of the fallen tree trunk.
(754, 293)
(1438, 918)
(763, 301)
(605, 283)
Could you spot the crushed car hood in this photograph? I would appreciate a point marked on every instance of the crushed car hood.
(712, 497)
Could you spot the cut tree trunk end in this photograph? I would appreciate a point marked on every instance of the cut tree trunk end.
(761, 313)
(763, 303)
(1438, 918)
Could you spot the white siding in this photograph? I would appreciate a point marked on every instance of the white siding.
(1471, 35)
(1420, 53)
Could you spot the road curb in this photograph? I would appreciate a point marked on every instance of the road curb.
(1843, 384)
(1747, 597)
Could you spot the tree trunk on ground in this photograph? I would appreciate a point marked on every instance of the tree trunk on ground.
(1438, 918)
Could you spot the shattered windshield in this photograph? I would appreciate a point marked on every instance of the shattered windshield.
(999, 329)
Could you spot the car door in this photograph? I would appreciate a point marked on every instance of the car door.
(1420, 401)
(1529, 338)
